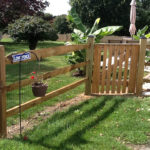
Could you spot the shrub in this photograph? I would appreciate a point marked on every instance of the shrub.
(31, 29)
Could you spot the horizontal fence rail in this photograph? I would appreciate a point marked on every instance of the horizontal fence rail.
(147, 64)
(39, 100)
(147, 79)
(48, 52)
(45, 76)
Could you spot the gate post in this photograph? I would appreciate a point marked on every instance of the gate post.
(141, 62)
(89, 67)
(3, 126)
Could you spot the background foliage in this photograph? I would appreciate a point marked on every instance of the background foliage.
(114, 12)
(14, 9)
(31, 29)
(62, 25)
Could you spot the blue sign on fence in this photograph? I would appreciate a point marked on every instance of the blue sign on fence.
(21, 57)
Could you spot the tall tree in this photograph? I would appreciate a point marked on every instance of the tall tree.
(62, 25)
(14, 9)
(115, 12)
(143, 13)
(31, 29)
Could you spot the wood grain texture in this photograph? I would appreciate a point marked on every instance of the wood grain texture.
(48, 52)
(89, 67)
(115, 70)
(147, 64)
(104, 69)
(3, 126)
(109, 69)
(96, 71)
(127, 55)
(133, 69)
(146, 80)
(141, 63)
(122, 49)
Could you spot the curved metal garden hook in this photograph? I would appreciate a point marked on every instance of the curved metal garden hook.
(20, 86)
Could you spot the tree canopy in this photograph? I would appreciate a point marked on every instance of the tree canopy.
(116, 12)
(143, 13)
(31, 29)
(62, 25)
(14, 9)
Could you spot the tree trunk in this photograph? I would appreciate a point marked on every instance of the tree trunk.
(33, 44)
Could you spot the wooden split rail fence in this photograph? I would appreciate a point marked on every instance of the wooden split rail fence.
(108, 71)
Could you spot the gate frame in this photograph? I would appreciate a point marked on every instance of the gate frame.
(141, 63)
(138, 82)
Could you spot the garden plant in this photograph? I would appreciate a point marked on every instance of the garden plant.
(81, 32)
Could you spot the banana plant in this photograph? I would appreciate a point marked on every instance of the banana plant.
(81, 32)
(142, 32)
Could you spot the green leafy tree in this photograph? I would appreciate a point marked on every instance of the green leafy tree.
(143, 14)
(47, 17)
(112, 12)
(31, 29)
(10, 10)
(62, 25)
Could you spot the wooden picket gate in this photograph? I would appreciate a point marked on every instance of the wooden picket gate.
(117, 68)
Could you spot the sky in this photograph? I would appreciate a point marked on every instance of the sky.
(58, 7)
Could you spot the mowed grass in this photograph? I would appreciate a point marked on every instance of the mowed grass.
(46, 65)
(101, 123)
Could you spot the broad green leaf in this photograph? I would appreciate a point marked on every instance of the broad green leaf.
(107, 30)
(135, 37)
(75, 19)
(139, 33)
(79, 33)
(144, 30)
(147, 35)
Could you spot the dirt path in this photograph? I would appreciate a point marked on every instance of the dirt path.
(43, 115)
(133, 146)
(138, 147)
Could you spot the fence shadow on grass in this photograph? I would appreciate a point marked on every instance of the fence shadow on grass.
(94, 106)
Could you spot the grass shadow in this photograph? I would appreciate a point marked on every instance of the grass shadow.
(76, 137)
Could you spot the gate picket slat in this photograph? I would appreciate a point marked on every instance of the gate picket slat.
(96, 71)
(127, 55)
(114, 70)
(104, 69)
(133, 70)
(109, 70)
(120, 68)
(136, 65)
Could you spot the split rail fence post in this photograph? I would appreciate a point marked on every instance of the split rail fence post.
(3, 125)
(141, 63)
(89, 67)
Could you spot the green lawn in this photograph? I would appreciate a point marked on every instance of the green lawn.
(46, 65)
(103, 123)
